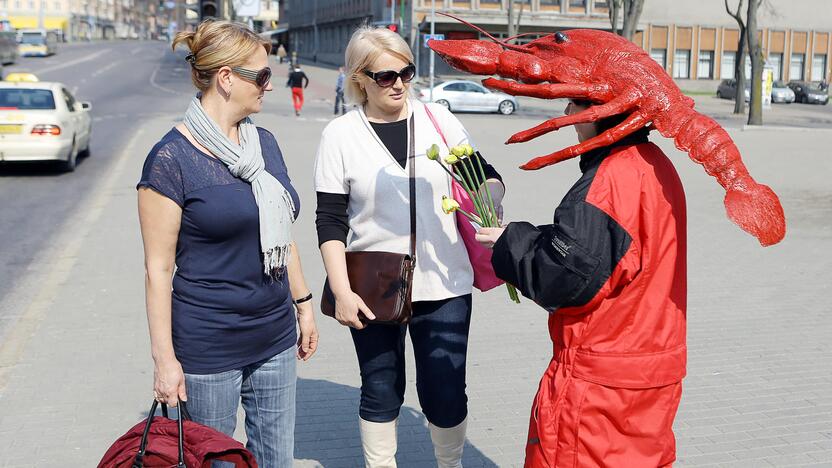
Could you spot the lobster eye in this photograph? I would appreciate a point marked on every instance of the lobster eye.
(560, 37)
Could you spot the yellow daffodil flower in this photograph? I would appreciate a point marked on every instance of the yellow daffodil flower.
(433, 152)
(458, 151)
(451, 159)
(449, 205)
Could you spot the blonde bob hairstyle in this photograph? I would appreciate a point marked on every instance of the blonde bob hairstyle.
(366, 45)
(216, 44)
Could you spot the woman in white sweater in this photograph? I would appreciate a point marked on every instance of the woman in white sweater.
(361, 176)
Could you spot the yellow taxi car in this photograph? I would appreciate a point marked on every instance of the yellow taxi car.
(42, 121)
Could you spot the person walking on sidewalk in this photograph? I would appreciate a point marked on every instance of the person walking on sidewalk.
(223, 276)
(281, 53)
(339, 92)
(362, 186)
(297, 81)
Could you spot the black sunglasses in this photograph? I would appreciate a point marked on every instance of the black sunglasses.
(260, 77)
(388, 78)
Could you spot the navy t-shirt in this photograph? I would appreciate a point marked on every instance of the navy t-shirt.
(226, 312)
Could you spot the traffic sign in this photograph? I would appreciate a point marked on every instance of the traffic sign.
(427, 37)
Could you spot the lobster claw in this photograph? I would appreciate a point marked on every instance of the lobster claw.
(469, 55)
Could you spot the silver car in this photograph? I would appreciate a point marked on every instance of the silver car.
(469, 96)
(781, 93)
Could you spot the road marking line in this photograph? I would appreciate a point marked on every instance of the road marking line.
(102, 70)
(61, 258)
(158, 86)
(86, 58)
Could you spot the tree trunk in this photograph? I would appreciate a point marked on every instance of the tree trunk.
(519, 16)
(739, 61)
(632, 13)
(739, 73)
(511, 30)
(755, 114)
(615, 9)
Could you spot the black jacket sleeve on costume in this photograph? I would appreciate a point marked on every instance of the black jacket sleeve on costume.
(564, 264)
(331, 219)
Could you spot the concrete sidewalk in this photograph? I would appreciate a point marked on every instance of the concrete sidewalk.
(75, 370)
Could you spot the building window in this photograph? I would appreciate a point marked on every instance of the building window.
(819, 67)
(705, 67)
(601, 5)
(577, 4)
(489, 3)
(660, 56)
(31, 5)
(681, 64)
(776, 62)
(729, 60)
(796, 67)
(549, 4)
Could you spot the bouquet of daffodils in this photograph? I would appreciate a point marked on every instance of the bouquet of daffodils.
(465, 167)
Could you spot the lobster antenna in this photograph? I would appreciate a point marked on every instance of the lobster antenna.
(541, 33)
(502, 43)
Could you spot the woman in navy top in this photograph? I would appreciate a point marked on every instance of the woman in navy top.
(226, 330)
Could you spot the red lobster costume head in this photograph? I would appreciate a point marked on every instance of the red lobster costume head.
(620, 78)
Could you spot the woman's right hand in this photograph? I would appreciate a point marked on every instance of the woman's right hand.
(169, 382)
(347, 309)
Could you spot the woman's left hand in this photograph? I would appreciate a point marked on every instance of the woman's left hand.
(308, 329)
(489, 236)
(497, 193)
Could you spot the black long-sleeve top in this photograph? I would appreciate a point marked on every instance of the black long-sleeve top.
(297, 79)
(332, 221)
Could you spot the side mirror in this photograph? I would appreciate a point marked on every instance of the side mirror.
(86, 105)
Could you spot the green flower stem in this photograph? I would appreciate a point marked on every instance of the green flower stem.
(475, 196)
(450, 173)
(470, 216)
(512, 293)
(466, 184)
(487, 190)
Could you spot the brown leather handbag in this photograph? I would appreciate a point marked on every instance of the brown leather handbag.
(383, 280)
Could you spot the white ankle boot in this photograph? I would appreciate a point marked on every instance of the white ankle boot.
(379, 443)
(448, 444)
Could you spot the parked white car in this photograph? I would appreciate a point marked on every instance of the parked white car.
(42, 121)
(469, 96)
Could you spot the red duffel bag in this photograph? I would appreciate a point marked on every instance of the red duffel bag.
(181, 443)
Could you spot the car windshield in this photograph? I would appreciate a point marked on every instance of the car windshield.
(26, 99)
(32, 38)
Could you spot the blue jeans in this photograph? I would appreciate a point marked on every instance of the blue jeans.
(439, 333)
(267, 391)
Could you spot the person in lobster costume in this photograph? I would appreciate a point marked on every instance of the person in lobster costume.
(611, 268)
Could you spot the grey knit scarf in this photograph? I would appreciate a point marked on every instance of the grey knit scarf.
(245, 161)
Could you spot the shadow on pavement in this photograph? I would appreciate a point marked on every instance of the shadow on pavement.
(327, 430)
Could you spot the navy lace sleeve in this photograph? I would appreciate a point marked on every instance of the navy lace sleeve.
(162, 173)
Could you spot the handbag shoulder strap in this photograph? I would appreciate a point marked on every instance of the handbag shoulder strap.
(436, 125)
(412, 182)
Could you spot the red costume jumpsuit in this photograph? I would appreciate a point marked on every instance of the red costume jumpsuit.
(611, 270)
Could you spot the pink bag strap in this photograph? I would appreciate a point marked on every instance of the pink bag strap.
(436, 125)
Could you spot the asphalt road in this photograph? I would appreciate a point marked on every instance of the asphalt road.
(127, 84)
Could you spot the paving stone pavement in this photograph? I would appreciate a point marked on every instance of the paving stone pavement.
(759, 384)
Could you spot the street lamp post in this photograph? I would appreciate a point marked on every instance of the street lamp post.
(432, 30)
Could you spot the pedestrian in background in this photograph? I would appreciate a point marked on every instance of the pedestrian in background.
(297, 81)
(362, 184)
(339, 92)
(216, 208)
(281, 53)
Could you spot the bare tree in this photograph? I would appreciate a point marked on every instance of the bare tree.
(514, 26)
(739, 62)
(630, 12)
(755, 112)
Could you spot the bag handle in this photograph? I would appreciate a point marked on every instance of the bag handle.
(182, 414)
(436, 125)
(412, 182)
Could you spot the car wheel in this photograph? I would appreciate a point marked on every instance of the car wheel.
(719, 94)
(72, 161)
(506, 107)
(444, 103)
